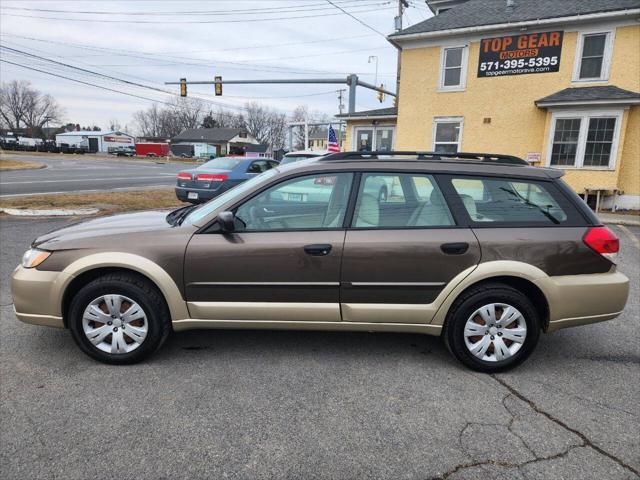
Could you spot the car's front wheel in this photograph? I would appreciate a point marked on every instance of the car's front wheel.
(492, 327)
(119, 318)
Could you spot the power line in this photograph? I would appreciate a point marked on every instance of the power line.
(253, 11)
(181, 52)
(101, 87)
(110, 77)
(357, 19)
(246, 20)
(240, 65)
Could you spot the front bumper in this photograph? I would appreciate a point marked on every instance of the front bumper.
(36, 298)
(583, 299)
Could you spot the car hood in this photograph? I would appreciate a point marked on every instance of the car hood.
(110, 228)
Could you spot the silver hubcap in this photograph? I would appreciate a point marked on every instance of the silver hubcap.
(495, 332)
(115, 324)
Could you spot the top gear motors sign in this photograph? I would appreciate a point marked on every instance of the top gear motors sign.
(520, 54)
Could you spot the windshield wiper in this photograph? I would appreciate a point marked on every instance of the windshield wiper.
(546, 213)
(176, 217)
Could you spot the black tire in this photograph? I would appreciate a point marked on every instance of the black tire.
(469, 302)
(138, 289)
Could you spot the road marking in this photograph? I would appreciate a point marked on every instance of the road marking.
(97, 190)
(91, 179)
(631, 236)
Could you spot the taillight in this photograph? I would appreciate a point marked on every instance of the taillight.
(603, 241)
(210, 177)
(184, 176)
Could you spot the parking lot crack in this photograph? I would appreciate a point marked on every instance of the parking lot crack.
(495, 463)
(585, 440)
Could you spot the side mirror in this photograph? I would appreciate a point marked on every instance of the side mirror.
(227, 221)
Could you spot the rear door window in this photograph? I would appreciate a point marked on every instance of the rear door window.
(403, 200)
(513, 201)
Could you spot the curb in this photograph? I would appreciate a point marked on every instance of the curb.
(20, 212)
(626, 223)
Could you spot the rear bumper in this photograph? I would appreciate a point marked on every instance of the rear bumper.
(583, 299)
(203, 194)
(35, 296)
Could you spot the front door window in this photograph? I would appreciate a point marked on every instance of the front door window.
(314, 202)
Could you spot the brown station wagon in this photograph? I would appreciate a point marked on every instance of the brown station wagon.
(479, 249)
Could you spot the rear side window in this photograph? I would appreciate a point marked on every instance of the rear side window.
(400, 201)
(513, 201)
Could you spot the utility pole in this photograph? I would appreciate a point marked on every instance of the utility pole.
(402, 4)
(374, 58)
(340, 108)
(340, 95)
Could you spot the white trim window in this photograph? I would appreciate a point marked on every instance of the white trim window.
(593, 56)
(584, 139)
(447, 134)
(453, 68)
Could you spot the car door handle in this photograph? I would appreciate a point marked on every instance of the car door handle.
(318, 249)
(266, 210)
(454, 248)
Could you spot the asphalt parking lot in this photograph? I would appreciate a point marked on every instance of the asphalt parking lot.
(311, 405)
(84, 174)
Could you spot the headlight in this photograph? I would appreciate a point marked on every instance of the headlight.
(34, 257)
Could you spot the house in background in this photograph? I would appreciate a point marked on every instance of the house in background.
(319, 138)
(554, 82)
(208, 142)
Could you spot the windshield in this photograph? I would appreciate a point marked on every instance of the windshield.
(205, 209)
(223, 163)
(295, 158)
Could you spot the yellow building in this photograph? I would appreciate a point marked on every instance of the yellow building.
(551, 81)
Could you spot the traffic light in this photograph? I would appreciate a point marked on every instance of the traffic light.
(218, 86)
(381, 93)
(183, 87)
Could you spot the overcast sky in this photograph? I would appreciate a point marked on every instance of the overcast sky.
(152, 41)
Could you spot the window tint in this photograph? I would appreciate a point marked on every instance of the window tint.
(593, 48)
(313, 202)
(259, 166)
(222, 163)
(400, 201)
(508, 200)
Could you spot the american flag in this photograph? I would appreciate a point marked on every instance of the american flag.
(332, 143)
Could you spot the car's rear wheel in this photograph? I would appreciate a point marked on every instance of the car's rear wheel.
(492, 327)
(119, 318)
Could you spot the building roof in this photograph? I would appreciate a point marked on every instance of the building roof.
(474, 13)
(378, 112)
(91, 133)
(253, 148)
(590, 95)
(207, 134)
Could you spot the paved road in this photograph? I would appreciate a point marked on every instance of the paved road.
(296, 405)
(67, 175)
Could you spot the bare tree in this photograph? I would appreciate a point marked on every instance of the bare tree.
(41, 110)
(301, 114)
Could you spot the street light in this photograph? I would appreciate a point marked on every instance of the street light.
(374, 58)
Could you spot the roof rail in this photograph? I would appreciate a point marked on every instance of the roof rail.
(428, 156)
